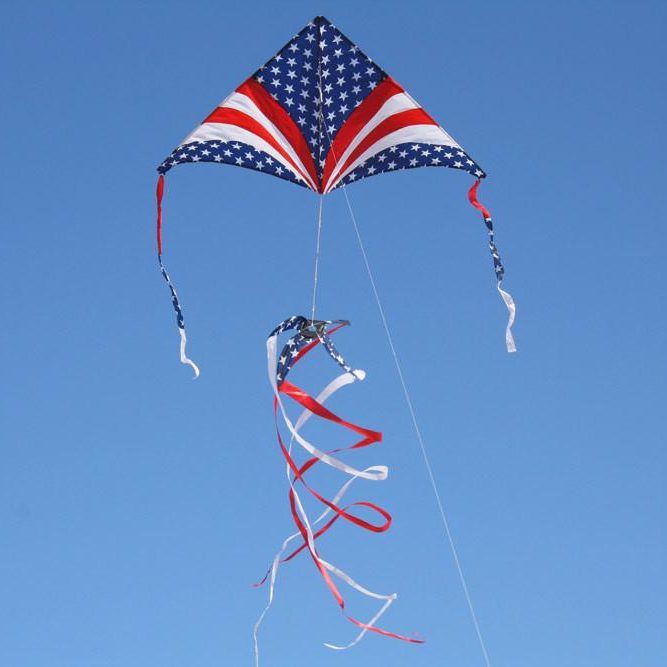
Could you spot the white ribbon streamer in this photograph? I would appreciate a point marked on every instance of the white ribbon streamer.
(184, 356)
(511, 307)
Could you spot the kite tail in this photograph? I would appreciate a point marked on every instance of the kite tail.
(297, 347)
(174, 296)
(497, 265)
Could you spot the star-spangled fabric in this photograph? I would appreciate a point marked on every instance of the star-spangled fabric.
(321, 114)
(307, 332)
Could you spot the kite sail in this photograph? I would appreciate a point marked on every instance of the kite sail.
(323, 115)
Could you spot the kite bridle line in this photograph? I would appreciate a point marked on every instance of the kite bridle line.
(317, 254)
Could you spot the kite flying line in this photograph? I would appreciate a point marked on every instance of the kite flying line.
(418, 433)
(406, 392)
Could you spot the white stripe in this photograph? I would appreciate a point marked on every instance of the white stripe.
(427, 134)
(246, 105)
(395, 104)
(229, 132)
(187, 139)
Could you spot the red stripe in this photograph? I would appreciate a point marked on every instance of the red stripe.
(159, 192)
(357, 121)
(391, 124)
(472, 197)
(282, 120)
(246, 122)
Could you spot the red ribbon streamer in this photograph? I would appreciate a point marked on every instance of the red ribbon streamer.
(159, 192)
(472, 197)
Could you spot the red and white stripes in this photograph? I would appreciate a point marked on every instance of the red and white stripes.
(387, 117)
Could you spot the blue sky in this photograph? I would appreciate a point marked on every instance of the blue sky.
(137, 506)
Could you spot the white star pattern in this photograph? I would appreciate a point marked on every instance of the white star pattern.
(407, 156)
(242, 155)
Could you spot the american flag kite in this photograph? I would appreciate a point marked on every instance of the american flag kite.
(322, 114)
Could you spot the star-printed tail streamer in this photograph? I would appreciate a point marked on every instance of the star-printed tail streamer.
(174, 296)
(308, 335)
(497, 265)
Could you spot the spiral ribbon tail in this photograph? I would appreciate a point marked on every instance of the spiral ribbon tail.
(497, 265)
(174, 296)
(309, 335)
(279, 558)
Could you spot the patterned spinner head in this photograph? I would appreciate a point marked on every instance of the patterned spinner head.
(308, 332)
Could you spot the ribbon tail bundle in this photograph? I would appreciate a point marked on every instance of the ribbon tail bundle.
(309, 335)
